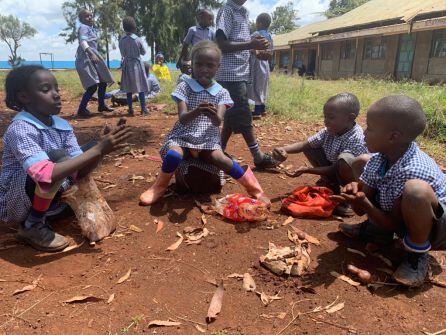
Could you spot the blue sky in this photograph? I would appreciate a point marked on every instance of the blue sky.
(46, 16)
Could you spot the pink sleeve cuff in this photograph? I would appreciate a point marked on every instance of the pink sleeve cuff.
(41, 173)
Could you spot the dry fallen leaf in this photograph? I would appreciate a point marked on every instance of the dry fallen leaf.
(109, 186)
(177, 243)
(335, 308)
(280, 316)
(124, 277)
(345, 278)
(235, 276)
(216, 303)
(72, 247)
(135, 229)
(289, 220)
(82, 299)
(27, 288)
(306, 236)
(159, 226)
(111, 298)
(160, 323)
(249, 284)
(200, 329)
(204, 220)
(354, 251)
(267, 299)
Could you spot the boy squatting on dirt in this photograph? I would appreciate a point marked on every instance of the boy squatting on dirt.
(402, 190)
(337, 152)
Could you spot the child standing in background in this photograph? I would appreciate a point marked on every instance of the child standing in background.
(235, 41)
(90, 66)
(198, 33)
(41, 156)
(201, 106)
(160, 69)
(260, 68)
(133, 78)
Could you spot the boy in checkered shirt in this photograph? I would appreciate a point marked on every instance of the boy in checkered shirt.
(337, 152)
(402, 189)
(234, 39)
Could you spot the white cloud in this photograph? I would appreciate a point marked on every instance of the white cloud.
(46, 16)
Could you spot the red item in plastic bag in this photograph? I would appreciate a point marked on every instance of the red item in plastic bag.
(309, 202)
(239, 208)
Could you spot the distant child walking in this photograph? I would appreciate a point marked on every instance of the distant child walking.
(160, 69)
(201, 105)
(90, 66)
(260, 67)
(201, 32)
(41, 156)
(133, 78)
(402, 190)
(234, 39)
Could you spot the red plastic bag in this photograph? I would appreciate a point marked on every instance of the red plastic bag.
(309, 202)
(239, 208)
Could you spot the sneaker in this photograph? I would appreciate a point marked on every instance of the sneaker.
(130, 112)
(367, 232)
(84, 114)
(343, 210)
(413, 270)
(266, 162)
(42, 237)
(105, 108)
(144, 112)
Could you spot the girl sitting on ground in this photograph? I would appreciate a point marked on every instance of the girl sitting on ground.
(201, 107)
(160, 69)
(41, 156)
(133, 78)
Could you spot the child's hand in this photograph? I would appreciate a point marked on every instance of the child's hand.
(280, 154)
(298, 172)
(352, 194)
(259, 43)
(114, 139)
(263, 55)
(107, 129)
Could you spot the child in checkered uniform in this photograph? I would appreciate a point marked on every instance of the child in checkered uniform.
(234, 39)
(201, 104)
(336, 152)
(41, 156)
(402, 189)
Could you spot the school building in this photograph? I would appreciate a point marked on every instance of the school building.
(399, 39)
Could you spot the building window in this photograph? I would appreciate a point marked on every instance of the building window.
(374, 48)
(327, 52)
(284, 59)
(348, 50)
(298, 59)
(439, 44)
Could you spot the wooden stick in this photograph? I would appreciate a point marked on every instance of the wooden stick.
(184, 319)
(436, 333)
(334, 324)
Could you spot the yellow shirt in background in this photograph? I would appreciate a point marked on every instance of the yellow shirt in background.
(161, 72)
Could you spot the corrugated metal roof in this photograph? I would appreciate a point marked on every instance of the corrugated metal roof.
(371, 12)
(376, 11)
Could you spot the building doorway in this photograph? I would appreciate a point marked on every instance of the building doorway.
(404, 60)
(311, 69)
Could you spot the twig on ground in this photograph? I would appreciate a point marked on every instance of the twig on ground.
(436, 333)
(184, 319)
(349, 329)
(295, 317)
(205, 272)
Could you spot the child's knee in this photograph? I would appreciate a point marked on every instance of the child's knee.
(416, 192)
(172, 159)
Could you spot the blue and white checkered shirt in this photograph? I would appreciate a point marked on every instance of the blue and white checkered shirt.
(26, 142)
(233, 22)
(350, 142)
(197, 34)
(414, 164)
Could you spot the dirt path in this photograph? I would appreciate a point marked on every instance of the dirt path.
(172, 285)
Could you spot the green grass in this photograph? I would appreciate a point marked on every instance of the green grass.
(291, 97)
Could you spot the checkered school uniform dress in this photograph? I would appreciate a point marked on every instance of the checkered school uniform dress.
(233, 21)
(197, 34)
(26, 142)
(350, 142)
(199, 133)
(414, 164)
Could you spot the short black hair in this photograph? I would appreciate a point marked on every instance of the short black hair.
(265, 19)
(129, 24)
(347, 102)
(402, 113)
(17, 81)
(204, 11)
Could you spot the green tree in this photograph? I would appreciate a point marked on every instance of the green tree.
(12, 31)
(108, 15)
(165, 22)
(340, 7)
(284, 19)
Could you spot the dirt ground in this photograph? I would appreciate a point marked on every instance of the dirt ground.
(174, 285)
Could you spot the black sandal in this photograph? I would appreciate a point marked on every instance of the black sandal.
(368, 232)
